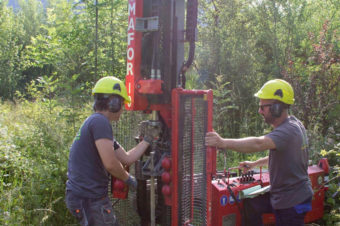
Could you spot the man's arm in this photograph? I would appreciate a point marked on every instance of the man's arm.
(243, 145)
(249, 165)
(133, 155)
(262, 161)
(150, 132)
(109, 159)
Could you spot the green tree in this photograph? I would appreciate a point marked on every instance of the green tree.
(316, 77)
(10, 30)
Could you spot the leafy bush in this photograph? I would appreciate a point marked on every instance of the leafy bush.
(35, 139)
(332, 198)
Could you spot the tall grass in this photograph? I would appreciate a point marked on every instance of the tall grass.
(34, 145)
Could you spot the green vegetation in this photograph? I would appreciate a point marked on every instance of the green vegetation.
(50, 58)
(34, 142)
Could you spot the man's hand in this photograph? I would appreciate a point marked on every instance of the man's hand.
(246, 166)
(213, 139)
(150, 130)
(132, 183)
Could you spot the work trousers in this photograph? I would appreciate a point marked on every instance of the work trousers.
(91, 212)
(255, 207)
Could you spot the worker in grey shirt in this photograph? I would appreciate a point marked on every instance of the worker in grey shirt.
(95, 154)
(291, 192)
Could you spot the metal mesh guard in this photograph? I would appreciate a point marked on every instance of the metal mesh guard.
(124, 132)
(192, 161)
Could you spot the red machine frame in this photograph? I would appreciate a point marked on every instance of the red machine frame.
(210, 152)
(134, 48)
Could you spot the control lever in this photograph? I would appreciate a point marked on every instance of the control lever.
(235, 168)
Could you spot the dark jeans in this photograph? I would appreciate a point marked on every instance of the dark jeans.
(91, 211)
(255, 207)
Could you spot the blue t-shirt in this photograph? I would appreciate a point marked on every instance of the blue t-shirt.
(288, 165)
(87, 176)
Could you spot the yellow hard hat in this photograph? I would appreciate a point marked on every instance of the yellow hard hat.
(277, 89)
(111, 85)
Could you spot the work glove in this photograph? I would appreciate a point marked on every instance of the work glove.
(150, 130)
(132, 183)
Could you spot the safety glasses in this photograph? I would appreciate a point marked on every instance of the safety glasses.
(264, 105)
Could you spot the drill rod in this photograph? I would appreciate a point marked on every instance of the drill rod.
(152, 178)
(152, 191)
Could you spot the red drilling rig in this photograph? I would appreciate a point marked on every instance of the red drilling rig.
(177, 179)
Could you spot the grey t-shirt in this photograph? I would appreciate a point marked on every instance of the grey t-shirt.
(288, 165)
(87, 176)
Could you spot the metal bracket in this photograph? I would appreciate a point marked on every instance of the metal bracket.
(157, 169)
(144, 24)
